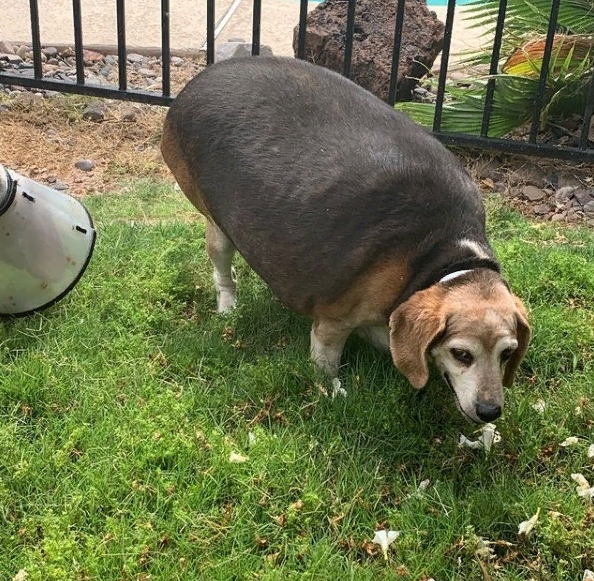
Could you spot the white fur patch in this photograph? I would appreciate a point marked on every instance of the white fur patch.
(478, 250)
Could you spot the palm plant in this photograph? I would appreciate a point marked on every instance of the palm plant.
(523, 45)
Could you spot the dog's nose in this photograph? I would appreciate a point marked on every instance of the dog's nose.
(488, 412)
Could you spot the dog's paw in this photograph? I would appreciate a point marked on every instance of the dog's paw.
(226, 291)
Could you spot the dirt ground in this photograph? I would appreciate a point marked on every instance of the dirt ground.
(44, 137)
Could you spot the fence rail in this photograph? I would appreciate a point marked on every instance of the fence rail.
(531, 146)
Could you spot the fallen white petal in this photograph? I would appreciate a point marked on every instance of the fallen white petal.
(591, 451)
(336, 389)
(526, 526)
(583, 487)
(20, 576)
(489, 436)
(588, 575)
(384, 539)
(236, 458)
(424, 485)
(251, 438)
(483, 549)
(464, 442)
(571, 441)
(540, 406)
(581, 481)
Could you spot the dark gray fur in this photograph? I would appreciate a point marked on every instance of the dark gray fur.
(314, 179)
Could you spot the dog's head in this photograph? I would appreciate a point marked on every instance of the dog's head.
(477, 332)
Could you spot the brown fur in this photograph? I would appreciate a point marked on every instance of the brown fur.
(176, 160)
(369, 299)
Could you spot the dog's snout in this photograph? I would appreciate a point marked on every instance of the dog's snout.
(487, 412)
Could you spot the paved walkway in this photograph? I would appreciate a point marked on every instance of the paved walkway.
(188, 23)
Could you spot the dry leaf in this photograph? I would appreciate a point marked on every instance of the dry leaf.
(20, 576)
(588, 575)
(591, 451)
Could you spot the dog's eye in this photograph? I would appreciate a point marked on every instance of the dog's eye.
(463, 356)
(506, 354)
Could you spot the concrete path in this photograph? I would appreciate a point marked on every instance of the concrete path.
(188, 23)
(143, 22)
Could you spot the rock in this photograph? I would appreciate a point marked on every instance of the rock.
(563, 194)
(567, 179)
(147, 72)
(66, 52)
(49, 51)
(533, 193)
(228, 50)
(491, 170)
(422, 40)
(589, 207)
(558, 217)
(583, 196)
(11, 58)
(135, 58)
(575, 214)
(128, 115)
(59, 186)
(531, 173)
(177, 61)
(541, 209)
(91, 57)
(94, 112)
(6, 47)
(84, 164)
(22, 52)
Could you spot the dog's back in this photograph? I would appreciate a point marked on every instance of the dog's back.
(313, 179)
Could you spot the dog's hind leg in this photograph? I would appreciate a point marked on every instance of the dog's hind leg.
(220, 251)
(328, 337)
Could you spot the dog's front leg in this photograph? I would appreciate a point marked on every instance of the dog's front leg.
(328, 337)
(220, 251)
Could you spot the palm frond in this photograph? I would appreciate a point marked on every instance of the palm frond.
(513, 104)
(522, 16)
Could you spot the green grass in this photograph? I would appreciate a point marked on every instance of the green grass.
(120, 407)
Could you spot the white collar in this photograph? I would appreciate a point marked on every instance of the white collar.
(453, 275)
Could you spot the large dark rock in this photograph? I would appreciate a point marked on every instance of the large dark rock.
(422, 40)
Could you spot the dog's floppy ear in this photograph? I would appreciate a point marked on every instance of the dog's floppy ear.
(523, 337)
(414, 326)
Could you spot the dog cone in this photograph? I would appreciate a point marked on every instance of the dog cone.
(46, 243)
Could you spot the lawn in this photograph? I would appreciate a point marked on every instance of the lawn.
(123, 406)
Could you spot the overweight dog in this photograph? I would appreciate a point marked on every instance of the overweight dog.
(353, 215)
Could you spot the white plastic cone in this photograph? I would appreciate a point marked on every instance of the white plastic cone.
(46, 243)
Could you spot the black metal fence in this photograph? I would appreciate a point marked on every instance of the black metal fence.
(583, 151)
